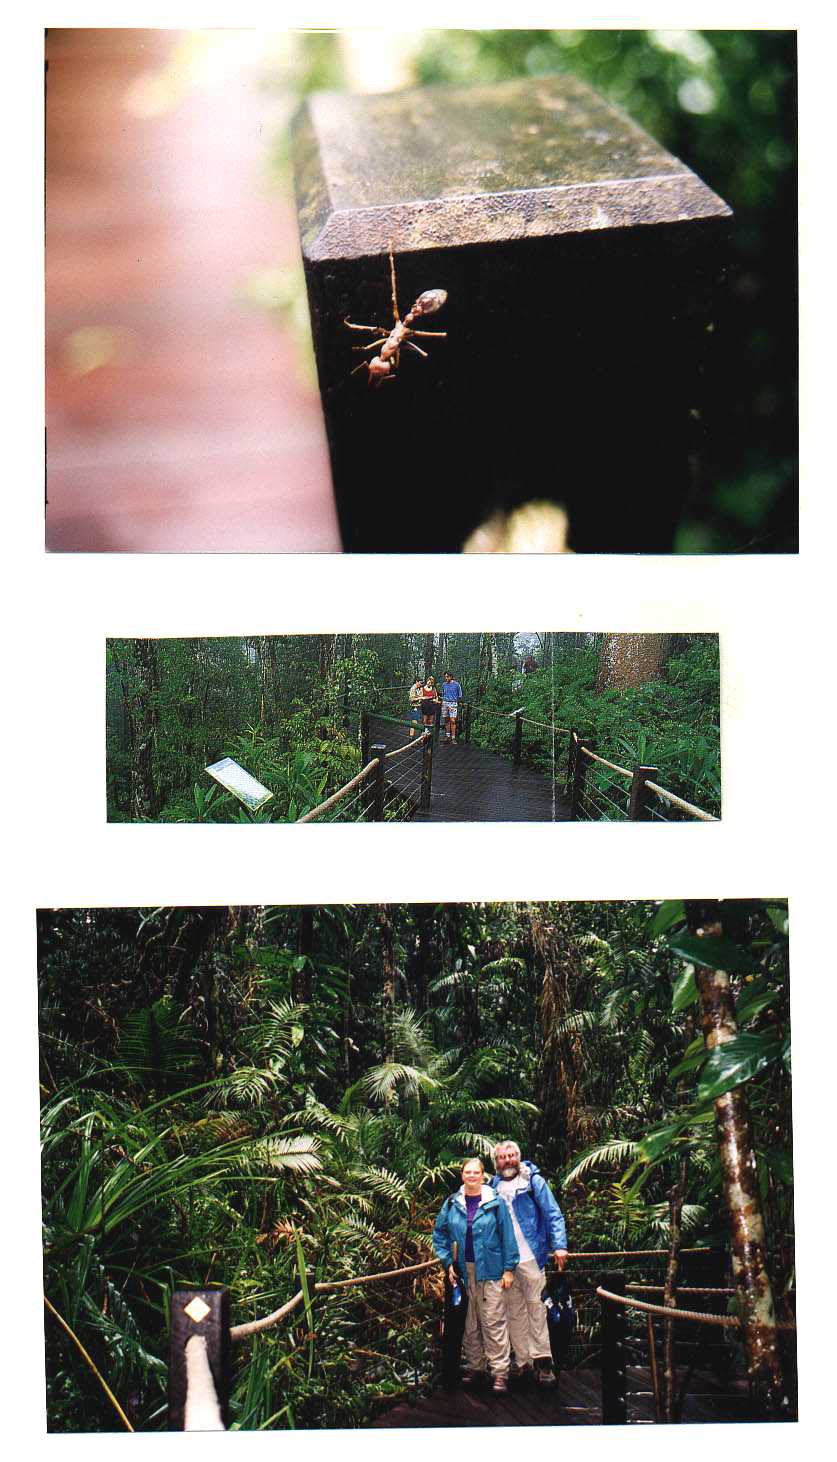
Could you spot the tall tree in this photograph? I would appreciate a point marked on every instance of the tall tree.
(626, 660)
(739, 1176)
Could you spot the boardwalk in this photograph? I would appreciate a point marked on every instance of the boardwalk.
(576, 1402)
(179, 416)
(472, 785)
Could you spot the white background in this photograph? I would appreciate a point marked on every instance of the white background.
(777, 664)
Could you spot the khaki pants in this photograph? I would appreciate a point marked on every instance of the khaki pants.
(526, 1315)
(486, 1342)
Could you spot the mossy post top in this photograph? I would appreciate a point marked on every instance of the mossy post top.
(441, 166)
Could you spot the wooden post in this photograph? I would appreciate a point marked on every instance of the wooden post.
(614, 1352)
(518, 737)
(426, 775)
(204, 1313)
(364, 738)
(638, 806)
(580, 765)
(468, 721)
(572, 751)
(379, 783)
(437, 721)
(345, 704)
(548, 218)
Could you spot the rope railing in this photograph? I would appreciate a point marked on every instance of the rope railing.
(594, 756)
(332, 801)
(267, 1322)
(674, 1313)
(408, 746)
(684, 806)
(252, 1327)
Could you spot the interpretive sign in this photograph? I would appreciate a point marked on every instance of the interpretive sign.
(238, 781)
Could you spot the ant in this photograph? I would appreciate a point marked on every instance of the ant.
(382, 367)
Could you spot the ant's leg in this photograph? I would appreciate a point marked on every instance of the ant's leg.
(360, 368)
(373, 345)
(410, 346)
(369, 329)
(392, 277)
(434, 334)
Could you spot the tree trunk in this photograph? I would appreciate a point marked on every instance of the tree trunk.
(626, 660)
(301, 980)
(429, 649)
(675, 1210)
(388, 985)
(741, 1190)
(142, 688)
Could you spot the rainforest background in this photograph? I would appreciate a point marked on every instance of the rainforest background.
(231, 1095)
(288, 708)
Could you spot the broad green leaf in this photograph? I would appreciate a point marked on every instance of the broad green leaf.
(780, 1162)
(715, 953)
(685, 989)
(671, 911)
(779, 919)
(737, 1061)
(754, 999)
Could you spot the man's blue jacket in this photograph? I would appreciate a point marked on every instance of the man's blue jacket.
(536, 1210)
(495, 1246)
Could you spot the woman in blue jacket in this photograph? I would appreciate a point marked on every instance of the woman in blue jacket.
(474, 1238)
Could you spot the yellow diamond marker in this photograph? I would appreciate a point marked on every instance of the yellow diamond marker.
(196, 1309)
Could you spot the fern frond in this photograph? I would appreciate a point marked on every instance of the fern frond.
(615, 1151)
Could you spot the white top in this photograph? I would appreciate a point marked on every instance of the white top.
(507, 1189)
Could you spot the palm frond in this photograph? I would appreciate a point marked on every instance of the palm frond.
(614, 1152)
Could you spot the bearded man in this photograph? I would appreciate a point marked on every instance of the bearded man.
(540, 1230)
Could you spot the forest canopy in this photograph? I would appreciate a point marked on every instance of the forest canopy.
(288, 708)
(230, 1093)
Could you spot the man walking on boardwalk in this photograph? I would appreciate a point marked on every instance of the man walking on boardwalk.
(540, 1230)
(451, 696)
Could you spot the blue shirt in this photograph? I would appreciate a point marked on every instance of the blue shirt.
(451, 691)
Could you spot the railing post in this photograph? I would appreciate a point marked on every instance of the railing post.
(203, 1314)
(571, 755)
(522, 194)
(379, 783)
(579, 773)
(345, 704)
(614, 1394)
(518, 737)
(467, 726)
(364, 738)
(437, 722)
(638, 810)
(426, 774)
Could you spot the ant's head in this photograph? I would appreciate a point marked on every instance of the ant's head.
(429, 302)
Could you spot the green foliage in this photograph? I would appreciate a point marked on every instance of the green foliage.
(220, 1108)
(288, 710)
(724, 102)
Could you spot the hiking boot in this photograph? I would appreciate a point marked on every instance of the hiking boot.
(471, 1378)
(500, 1383)
(545, 1374)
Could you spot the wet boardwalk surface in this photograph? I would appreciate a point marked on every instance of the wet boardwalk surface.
(178, 415)
(472, 785)
(576, 1401)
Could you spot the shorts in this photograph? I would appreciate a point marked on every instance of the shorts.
(414, 714)
(428, 708)
(450, 710)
